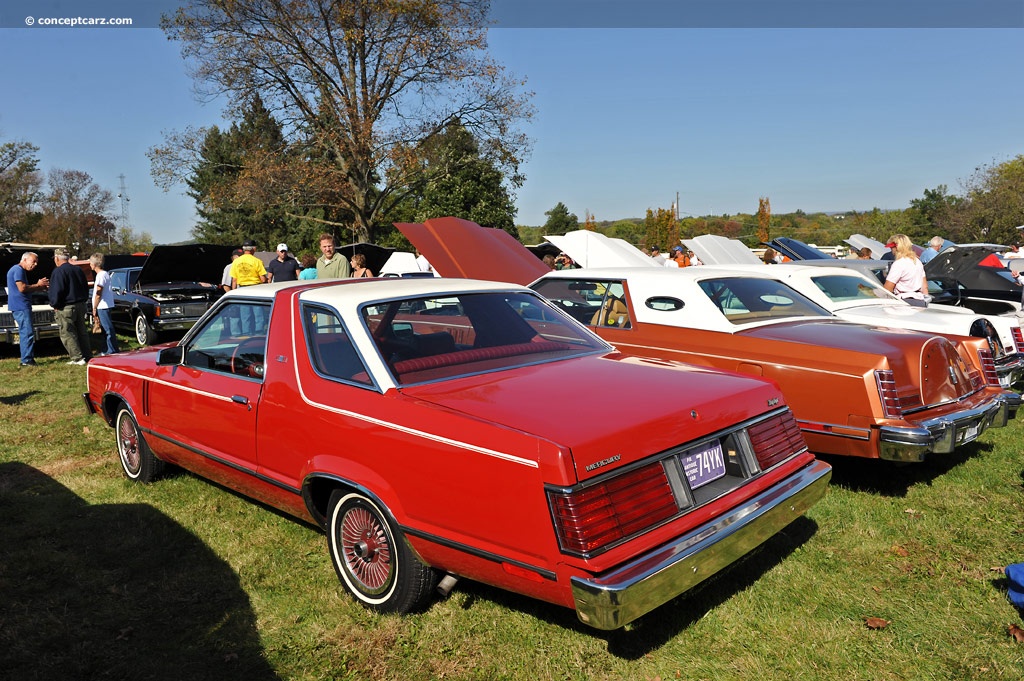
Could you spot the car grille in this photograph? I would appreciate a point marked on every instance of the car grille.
(39, 318)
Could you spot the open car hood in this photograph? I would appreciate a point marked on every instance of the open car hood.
(977, 269)
(460, 248)
(187, 263)
(719, 250)
(376, 256)
(794, 249)
(591, 249)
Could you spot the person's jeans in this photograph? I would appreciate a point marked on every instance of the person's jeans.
(107, 322)
(26, 335)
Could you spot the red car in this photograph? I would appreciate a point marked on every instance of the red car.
(439, 428)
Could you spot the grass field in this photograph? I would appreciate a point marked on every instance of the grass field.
(104, 579)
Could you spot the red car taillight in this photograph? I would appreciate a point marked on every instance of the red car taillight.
(594, 517)
(1018, 338)
(988, 367)
(775, 439)
(887, 391)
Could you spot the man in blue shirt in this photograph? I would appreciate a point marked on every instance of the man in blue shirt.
(19, 302)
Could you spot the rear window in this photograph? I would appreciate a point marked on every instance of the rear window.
(750, 299)
(440, 337)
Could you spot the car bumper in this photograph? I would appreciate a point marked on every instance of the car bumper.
(614, 599)
(173, 324)
(943, 434)
(12, 337)
(1010, 371)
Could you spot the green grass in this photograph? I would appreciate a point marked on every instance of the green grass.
(182, 579)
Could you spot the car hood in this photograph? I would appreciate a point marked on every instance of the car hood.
(591, 249)
(600, 424)
(977, 269)
(460, 248)
(712, 249)
(794, 249)
(188, 263)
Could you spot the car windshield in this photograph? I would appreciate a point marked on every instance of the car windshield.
(435, 338)
(844, 288)
(750, 299)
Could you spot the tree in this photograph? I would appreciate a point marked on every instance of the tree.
(359, 85)
(937, 210)
(661, 228)
(589, 223)
(560, 220)
(459, 181)
(235, 198)
(994, 205)
(76, 211)
(764, 219)
(20, 184)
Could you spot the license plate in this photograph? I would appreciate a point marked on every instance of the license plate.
(704, 464)
(968, 434)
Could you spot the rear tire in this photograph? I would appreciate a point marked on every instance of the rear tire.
(145, 334)
(137, 460)
(372, 558)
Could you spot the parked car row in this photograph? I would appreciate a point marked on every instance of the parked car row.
(602, 438)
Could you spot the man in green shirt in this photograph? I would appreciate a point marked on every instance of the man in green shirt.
(331, 265)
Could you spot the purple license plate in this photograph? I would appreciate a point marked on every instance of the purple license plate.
(704, 464)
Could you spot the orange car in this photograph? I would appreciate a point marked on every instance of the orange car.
(855, 390)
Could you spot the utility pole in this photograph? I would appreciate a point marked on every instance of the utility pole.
(123, 195)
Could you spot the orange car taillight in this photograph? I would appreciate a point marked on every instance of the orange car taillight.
(887, 391)
(988, 367)
(1018, 338)
(775, 439)
(594, 517)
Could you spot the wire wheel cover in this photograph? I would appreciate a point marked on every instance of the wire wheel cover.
(128, 444)
(366, 548)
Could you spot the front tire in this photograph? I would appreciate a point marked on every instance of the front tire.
(145, 334)
(372, 558)
(137, 460)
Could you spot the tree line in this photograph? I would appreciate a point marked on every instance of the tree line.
(989, 209)
(64, 206)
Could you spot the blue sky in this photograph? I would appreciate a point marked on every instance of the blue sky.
(814, 119)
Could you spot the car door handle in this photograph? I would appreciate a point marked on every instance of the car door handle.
(242, 399)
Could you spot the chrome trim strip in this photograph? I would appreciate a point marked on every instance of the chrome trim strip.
(616, 598)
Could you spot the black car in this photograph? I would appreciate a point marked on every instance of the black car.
(170, 292)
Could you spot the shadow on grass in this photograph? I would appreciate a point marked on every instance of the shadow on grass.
(889, 479)
(113, 591)
(661, 625)
(15, 400)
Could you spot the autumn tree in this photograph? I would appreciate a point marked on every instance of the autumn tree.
(76, 210)
(589, 223)
(359, 86)
(764, 219)
(20, 184)
(661, 228)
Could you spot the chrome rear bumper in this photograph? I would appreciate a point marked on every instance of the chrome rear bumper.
(943, 434)
(614, 599)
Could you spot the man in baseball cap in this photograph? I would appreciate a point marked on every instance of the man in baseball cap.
(248, 269)
(284, 267)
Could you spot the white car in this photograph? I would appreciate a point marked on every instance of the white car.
(852, 296)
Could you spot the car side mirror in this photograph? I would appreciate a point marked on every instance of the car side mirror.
(169, 356)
